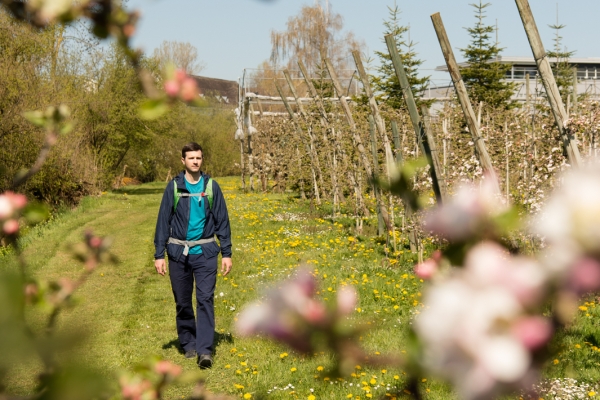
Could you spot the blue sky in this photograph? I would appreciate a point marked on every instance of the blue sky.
(231, 35)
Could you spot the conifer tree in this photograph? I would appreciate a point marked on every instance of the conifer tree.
(483, 75)
(559, 58)
(386, 82)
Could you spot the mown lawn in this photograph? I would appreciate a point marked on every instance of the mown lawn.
(127, 310)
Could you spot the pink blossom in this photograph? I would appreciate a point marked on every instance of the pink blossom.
(468, 213)
(346, 300)
(167, 368)
(180, 76)
(18, 200)
(11, 227)
(491, 265)
(584, 276)
(7, 207)
(95, 242)
(428, 268)
(533, 332)
(172, 88)
(291, 314)
(189, 89)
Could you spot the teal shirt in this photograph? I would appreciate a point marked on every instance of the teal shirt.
(197, 215)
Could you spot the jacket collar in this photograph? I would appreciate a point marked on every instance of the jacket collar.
(180, 179)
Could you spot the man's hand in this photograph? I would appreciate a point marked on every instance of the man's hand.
(226, 265)
(161, 266)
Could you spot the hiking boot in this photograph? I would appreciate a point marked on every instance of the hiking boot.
(205, 361)
(191, 353)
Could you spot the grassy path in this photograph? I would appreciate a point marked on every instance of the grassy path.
(127, 309)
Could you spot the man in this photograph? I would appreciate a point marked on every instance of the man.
(190, 216)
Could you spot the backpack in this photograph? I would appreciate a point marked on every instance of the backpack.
(208, 194)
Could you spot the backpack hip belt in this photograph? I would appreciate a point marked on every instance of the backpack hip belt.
(189, 243)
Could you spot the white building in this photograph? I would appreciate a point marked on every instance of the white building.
(588, 78)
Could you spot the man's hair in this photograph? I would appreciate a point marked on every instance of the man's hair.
(192, 146)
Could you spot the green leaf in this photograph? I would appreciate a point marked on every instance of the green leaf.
(36, 118)
(66, 128)
(153, 109)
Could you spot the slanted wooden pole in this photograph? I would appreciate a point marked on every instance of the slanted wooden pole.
(543, 65)
(396, 136)
(346, 108)
(380, 228)
(433, 153)
(463, 97)
(299, 132)
(373, 105)
(418, 126)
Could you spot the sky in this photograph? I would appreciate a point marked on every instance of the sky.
(232, 35)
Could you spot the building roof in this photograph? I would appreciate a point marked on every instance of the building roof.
(530, 61)
(224, 91)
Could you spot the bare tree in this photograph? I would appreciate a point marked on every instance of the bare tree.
(316, 31)
(182, 54)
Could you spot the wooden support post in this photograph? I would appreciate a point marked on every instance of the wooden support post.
(374, 107)
(545, 71)
(380, 227)
(463, 97)
(397, 142)
(299, 132)
(433, 153)
(346, 108)
(414, 117)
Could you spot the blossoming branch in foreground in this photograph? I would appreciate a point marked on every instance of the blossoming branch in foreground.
(291, 314)
(476, 329)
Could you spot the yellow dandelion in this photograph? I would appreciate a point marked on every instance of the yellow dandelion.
(227, 366)
(283, 355)
(238, 386)
(247, 396)
(319, 368)
(293, 369)
(555, 361)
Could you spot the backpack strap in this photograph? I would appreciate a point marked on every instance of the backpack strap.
(209, 193)
(176, 196)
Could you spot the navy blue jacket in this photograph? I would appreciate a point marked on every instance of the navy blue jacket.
(175, 224)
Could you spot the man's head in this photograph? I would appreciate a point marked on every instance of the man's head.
(191, 157)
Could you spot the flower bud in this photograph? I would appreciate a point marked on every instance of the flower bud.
(172, 88)
(11, 227)
(346, 300)
(189, 90)
(6, 206)
(533, 332)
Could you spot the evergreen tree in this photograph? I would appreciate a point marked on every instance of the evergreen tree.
(483, 75)
(559, 58)
(386, 82)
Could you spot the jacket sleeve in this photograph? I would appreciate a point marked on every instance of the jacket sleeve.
(162, 232)
(222, 228)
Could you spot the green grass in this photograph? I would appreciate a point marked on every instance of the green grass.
(128, 313)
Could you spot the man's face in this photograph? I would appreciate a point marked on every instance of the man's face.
(192, 161)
